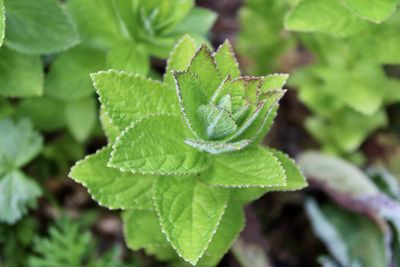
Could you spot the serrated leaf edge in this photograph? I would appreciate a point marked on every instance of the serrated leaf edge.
(166, 235)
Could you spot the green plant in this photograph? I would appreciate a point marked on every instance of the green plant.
(69, 245)
(187, 156)
(19, 144)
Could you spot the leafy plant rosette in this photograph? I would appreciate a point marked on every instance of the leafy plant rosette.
(184, 155)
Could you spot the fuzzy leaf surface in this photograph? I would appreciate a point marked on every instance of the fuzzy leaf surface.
(226, 61)
(190, 212)
(127, 98)
(155, 145)
(252, 167)
(109, 186)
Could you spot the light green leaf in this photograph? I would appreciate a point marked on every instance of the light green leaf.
(373, 10)
(232, 223)
(217, 123)
(109, 186)
(100, 29)
(2, 22)
(127, 97)
(204, 67)
(328, 16)
(69, 75)
(274, 82)
(39, 27)
(191, 97)
(47, 114)
(294, 180)
(19, 143)
(81, 117)
(17, 193)
(252, 167)
(110, 130)
(226, 61)
(21, 74)
(179, 58)
(190, 212)
(216, 147)
(155, 145)
(142, 229)
(129, 57)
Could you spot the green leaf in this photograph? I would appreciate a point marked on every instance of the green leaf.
(19, 143)
(295, 180)
(191, 97)
(142, 229)
(109, 186)
(155, 145)
(21, 74)
(216, 147)
(328, 16)
(81, 117)
(217, 122)
(274, 82)
(226, 61)
(101, 29)
(39, 27)
(198, 22)
(204, 67)
(127, 97)
(47, 114)
(179, 58)
(130, 57)
(68, 78)
(232, 223)
(110, 130)
(190, 212)
(17, 192)
(2, 22)
(373, 10)
(252, 167)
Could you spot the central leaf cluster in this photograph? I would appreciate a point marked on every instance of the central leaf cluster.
(184, 154)
(224, 112)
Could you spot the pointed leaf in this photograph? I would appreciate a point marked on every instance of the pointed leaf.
(179, 58)
(204, 67)
(226, 61)
(191, 97)
(109, 186)
(232, 223)
(190, 212)
(128, 97)
(252, 167)
(274, 82)
(217, 123)
(39, 27)
(155, 145)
